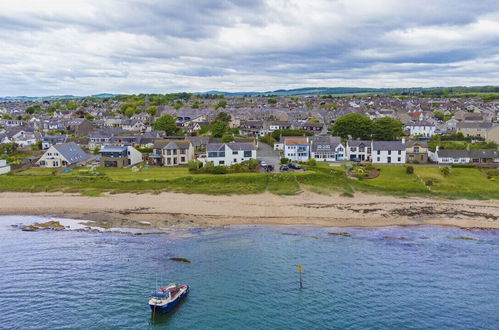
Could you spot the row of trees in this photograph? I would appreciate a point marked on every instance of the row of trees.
(356, 126)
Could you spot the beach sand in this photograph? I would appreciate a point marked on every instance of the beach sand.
(175, 210)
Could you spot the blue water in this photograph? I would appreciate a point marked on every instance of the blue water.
(246, 278)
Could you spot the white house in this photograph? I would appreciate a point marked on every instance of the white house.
(358, 150)
(388, 152)
(4, 168)
(421, 128)
(119, 156)
(327, 148)
(296, 148)
(62, 155)
(229, 153)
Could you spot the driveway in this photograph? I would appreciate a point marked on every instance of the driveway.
(267, 154)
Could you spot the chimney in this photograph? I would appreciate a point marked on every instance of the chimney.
(437, 148)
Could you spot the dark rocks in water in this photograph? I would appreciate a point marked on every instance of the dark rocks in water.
(465, 238)
(396, 238)
(49, 225)
(180, 260)
(344, 234)
(290, 234)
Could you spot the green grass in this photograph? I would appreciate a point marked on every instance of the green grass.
(469, 183)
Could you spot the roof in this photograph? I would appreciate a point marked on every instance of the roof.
(171, 144)
(325, 143)
(295, 140)
(113, 149)
(420, 123)
(453, 153)
(231, 145)
(409, 144)
(72, 152)
(356, 143)
(484, 153)
(388, 145)
(474, 125)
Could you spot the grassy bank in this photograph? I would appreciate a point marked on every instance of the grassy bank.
(461, 183)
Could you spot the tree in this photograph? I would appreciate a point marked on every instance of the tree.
(387, 129)
(166, 123)
(353, 125)
(227, 138)
(223, 116)
(439, 114)
(152, 110)
(218, 128)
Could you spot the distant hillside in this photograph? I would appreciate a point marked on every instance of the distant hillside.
(421, 91)
(52, 97)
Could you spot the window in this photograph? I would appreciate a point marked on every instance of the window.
(234, 152)
(378, 159)
(416, 149)
(378, 152)
(182, 159)
(352, 148)
(389, 152)
(222, 162)
(247, 153)
(398, 159)
(182, 151)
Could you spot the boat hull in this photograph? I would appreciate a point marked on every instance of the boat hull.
(171, 305)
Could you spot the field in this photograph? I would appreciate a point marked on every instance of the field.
(461, 183)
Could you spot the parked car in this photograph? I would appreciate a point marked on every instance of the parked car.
(294, 166)
(263, 163)
(284, 168)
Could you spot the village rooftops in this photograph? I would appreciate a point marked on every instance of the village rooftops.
(171, 144)
(295, 140)
(231, 145)
(356, 143)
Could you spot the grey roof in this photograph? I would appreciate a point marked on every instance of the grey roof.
(72, 152)
(420, 123)
(474, 125)
(171, 144)
(55, 138)
(241, 146)
(324, 143)
(484, 153)
(453, 153)
(215, 147)
(113, 148)
(356, 143)
(388, 145)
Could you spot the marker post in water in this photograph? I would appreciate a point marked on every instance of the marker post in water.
(300, 269)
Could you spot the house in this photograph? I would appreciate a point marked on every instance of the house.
(327, 148)
(119, 156)
(171, 152)
(229, 153)
(359, 150)
(484, 156)
(133, 125)
(4, 168)
(452, 156)
(493, 134)
(296, 148)
(24, 137)
(50, 140)
(478, 129)
(421, 128)
(79, 126)
(388, 152)
(313, 127)
(63, 155)
(251, 127)
(416, 152)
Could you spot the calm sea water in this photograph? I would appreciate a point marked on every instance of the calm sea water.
(246, 278)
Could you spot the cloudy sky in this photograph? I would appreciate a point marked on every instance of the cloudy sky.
(84, 47)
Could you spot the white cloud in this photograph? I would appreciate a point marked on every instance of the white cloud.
(89, 46)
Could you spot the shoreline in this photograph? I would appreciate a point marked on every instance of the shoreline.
(184, 211)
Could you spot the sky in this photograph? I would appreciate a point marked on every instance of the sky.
(84, 47)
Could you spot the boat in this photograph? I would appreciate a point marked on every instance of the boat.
(166, 298)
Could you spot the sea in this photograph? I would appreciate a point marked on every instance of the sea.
(246, 277)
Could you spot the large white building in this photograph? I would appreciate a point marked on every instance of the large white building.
(229, 153)
(388, 152)
(421, 128)
(63, 155)
(358, 150)
(327, 148)
(296, 148)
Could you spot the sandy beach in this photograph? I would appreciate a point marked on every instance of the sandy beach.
(175, 210)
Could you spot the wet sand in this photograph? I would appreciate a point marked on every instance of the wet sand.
(175, 210)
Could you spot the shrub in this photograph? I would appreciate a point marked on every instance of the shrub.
(409, 169)
(312, 162)
(194, 165)
(463, 165)
(429, 182)
(445, 170)
(284, 161)
(415, 161)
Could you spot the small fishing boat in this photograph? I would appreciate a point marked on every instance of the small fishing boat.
(166, 298)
